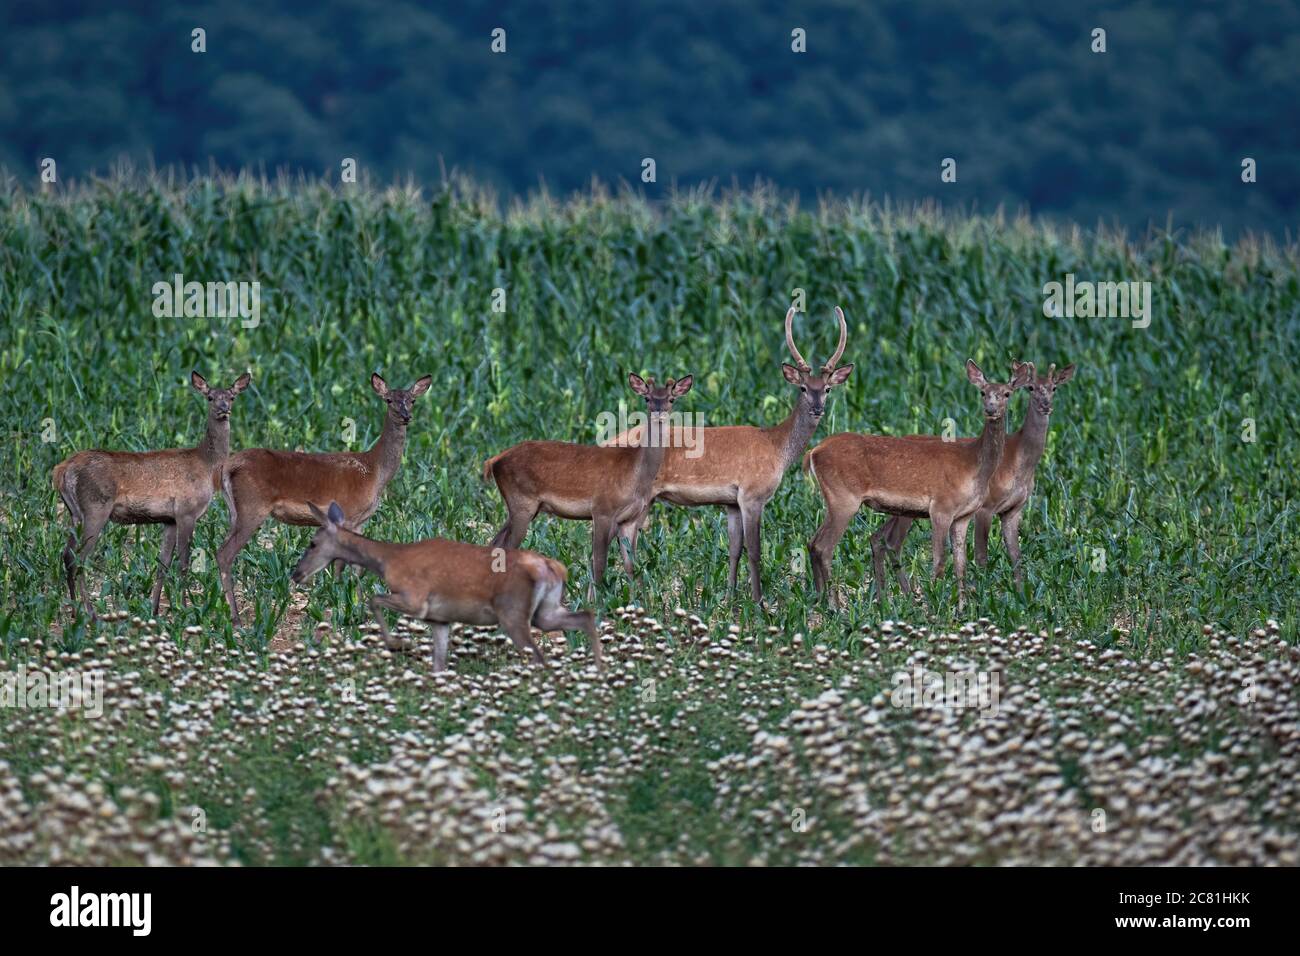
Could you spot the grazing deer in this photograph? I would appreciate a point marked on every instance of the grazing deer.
(606, 486)
(445, 582)
(740, 467)
(172, 488)
(943, 481)
(1012, 483)
(259, 483)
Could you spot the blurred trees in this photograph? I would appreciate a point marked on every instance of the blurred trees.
(1157, 124)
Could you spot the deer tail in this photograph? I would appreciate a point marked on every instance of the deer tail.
(489, 465)
(807, 460)
(66, 485)
(558, 569)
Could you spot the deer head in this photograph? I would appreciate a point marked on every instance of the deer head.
(400, 400)
(324, 546)
(220, 400)
(659, 398)
(813, 387)
(1043, 387)
(998, 394)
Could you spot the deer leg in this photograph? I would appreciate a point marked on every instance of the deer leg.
(164, 562)
(959, 558)
(751, 516)
(554, 616)
(735, 543)
(246, 525)
(627, 533)
(377, 603)
(70, 565)
(1011, 538)
(899, 527)
(520, 515)
(512, 615)
(184, 540)
(92, 525)
(939, 525)
(602, 534)
(983, 522)
(441, 633)
(822, 547)
(879, 545)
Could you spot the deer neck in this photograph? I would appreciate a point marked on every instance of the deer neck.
(356, 549)
(386, 453)
(793, 434)
(215, 446)
(650, 455)
(991, 444)
(1033, 437)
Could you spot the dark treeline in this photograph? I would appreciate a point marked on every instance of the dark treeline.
(1157, 125)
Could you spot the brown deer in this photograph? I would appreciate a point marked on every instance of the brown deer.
(259, 483)
(446, 582)
(740, 467)
(943, 481)
(1012, 483)
(172, 488)
(606, 486)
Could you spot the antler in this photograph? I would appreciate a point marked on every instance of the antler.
(789, 342)
(844, 338)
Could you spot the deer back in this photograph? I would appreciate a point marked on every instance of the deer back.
(284, 482)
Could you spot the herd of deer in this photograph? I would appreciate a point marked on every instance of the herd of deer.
(612, 485)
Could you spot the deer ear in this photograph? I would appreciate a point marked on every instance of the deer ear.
(1024, 375)
(317, 514)
(422, 386)
(637, 383)
(974, 374)
(199, 382)
(241, 383)
(791, 373)
(683, 385)
(1064, 375)
(335, 514)
(379, 385)
(841, 374)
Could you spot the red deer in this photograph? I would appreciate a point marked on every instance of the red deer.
(259, 483)
(606, 486)
(740, 467)
(446, 582)
(943, 481)
(172, 488)
(1012, 483)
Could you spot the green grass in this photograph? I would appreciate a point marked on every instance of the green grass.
(1145, 457)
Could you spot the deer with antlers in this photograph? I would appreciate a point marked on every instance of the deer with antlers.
(945, 481)
(740, 467)
(172, 488)
(604, 485)
(259, 483)
(1012, 482)
(446, 582)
